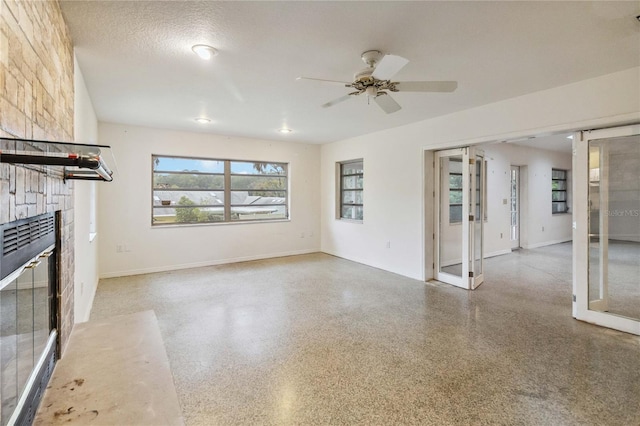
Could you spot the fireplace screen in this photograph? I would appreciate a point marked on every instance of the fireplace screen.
(27, 320)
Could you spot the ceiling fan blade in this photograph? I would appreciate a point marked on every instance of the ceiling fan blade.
(388, 66)
(426, 86)
(387, 103)
(336, 101)
(342, 83)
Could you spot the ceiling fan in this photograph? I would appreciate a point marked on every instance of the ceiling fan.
(375, 82)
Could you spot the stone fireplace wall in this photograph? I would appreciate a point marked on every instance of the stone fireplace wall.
(36, 102)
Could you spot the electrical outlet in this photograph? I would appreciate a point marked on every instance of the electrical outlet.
(388, 245)
(501, 235)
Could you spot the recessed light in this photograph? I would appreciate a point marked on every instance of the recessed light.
(285, 130)
(202, 120)
(204, 51)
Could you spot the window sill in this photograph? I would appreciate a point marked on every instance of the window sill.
(197, 225)
(342, 219)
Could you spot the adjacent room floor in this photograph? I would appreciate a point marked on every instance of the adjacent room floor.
(316, 339)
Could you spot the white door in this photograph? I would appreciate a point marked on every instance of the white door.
(514, 203)
(459, 206)
(607, 227)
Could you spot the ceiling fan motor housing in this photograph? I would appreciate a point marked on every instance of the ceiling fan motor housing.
(363, 75)
(371, 57)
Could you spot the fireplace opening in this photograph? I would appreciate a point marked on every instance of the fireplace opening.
(28, 314)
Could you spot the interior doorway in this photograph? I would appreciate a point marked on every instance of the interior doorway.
(510, 207)
(459, 197)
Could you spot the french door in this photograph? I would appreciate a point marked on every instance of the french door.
(460, 187)
(607, 227)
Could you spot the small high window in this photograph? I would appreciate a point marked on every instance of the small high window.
(455, 190)
(559, 188)
(351, 190)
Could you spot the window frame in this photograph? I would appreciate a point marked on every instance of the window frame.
(341, 190)
(456, 190)
(459, 190)
(226, 189)
(565, 191)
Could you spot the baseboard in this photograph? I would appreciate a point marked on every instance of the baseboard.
(547, 243)
(498, 253)
(87, 316)
(167, 268)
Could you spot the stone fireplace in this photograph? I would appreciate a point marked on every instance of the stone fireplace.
(37, 102)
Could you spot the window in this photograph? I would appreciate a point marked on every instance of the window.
(351, 189)
(559, 200)
(455, 190)
(202, 190)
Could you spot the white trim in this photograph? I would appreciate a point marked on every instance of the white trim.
(599, 123)
(616, 322)
(92, 297)
(498, 253)
(546, 243)
(205, 263)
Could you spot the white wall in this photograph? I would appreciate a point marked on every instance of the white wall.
(125, 204)
(393, 163)
(86, 251)
(540, 227)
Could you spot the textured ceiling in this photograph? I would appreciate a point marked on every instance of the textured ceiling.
(139, 68)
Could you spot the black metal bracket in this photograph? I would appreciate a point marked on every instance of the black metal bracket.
(80, 156)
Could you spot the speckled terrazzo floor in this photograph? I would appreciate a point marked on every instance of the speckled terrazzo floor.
(315, 339)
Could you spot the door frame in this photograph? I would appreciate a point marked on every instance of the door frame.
(468, 279)
(580, 189)
(518, 215)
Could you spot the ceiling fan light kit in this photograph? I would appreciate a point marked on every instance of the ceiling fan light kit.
(375, 81)
(204, 51)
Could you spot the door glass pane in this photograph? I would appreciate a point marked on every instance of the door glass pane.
(450, 244)
(478, 222)
(614, 226)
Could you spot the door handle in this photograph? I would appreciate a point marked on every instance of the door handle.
(32, 265)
